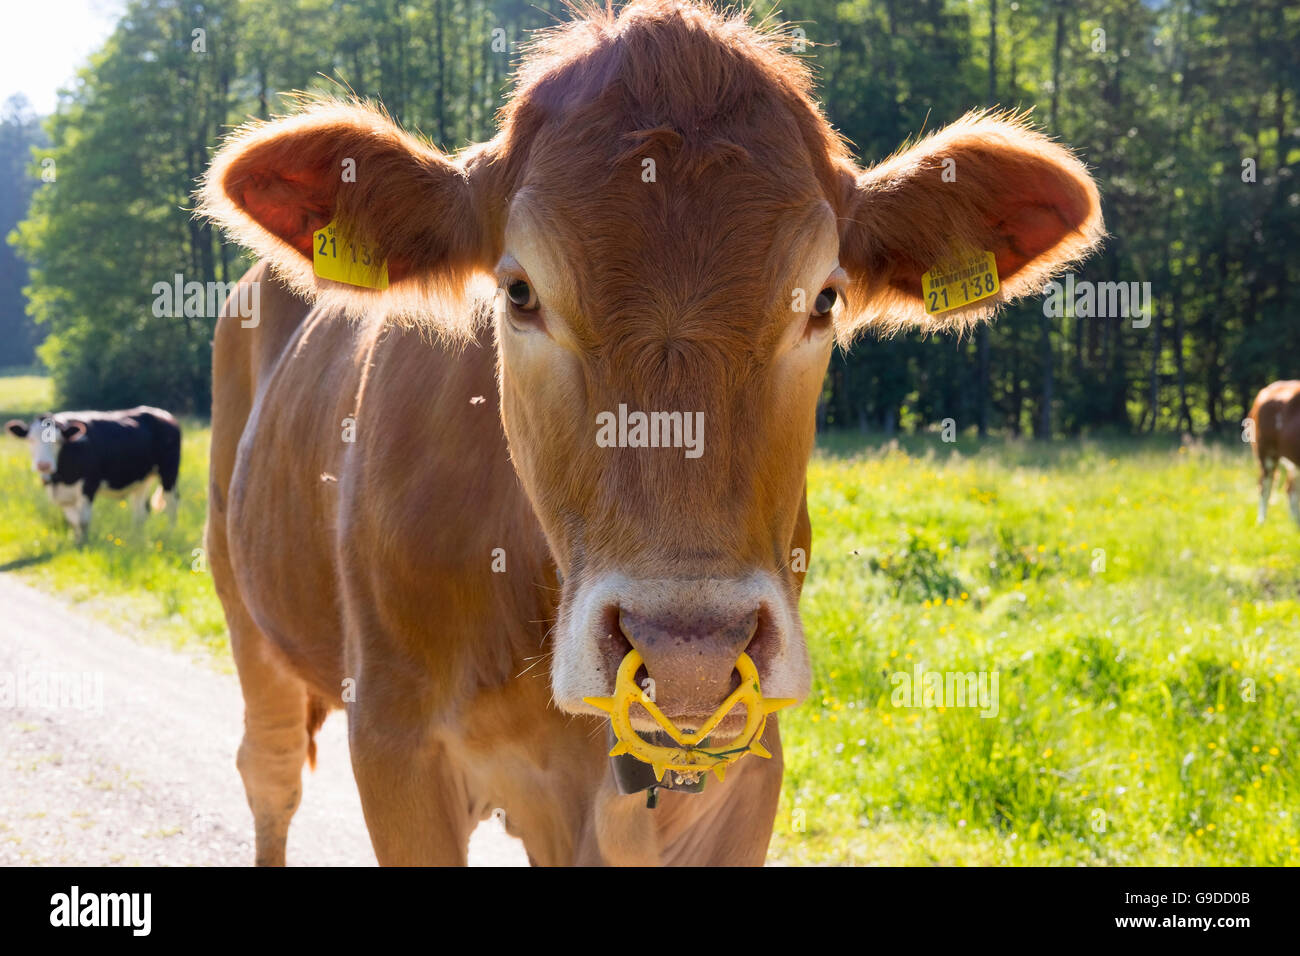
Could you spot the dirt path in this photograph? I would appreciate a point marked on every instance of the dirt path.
(149, 778)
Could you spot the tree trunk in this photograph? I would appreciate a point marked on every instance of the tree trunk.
(441, 60)
(1184, 413)
(982, 385)
(993, 53)
(1043, 427)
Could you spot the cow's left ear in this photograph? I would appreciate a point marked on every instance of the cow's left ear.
(73, 430)
(433, 221)
(987, 183)
(16, 428)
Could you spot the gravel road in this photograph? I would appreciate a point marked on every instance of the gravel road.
(137, 764)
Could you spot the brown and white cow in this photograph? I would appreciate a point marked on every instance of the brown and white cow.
(672, 226)
(1275, 419)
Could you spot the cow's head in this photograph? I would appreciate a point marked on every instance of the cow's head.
(673, 228)
(45, 437)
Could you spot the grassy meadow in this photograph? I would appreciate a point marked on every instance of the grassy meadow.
(1144, 632)
(140, 577)
(25, 392)
(1142, 628)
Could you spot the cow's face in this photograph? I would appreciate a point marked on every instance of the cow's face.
(45, 438)
(662, 349)
(677, 238)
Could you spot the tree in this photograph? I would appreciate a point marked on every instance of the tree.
(20, 134)
(1185, 110)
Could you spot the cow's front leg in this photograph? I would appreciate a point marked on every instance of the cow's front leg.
(1293, 490)
(77, 514)
(415, 798)
(140, 503)
(1266, 470)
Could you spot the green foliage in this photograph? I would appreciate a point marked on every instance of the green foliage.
(128, 145)
(20, 133)
(1013, 561)
(134, 135)
(1165, 104)
(918, 568)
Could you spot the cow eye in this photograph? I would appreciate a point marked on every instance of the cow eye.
(825, 301)
(521, 295)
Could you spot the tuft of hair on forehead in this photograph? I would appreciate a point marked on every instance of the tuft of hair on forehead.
(678, 71)
(643, 43)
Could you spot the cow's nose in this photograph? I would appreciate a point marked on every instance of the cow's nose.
(44, 467)
(691, 661)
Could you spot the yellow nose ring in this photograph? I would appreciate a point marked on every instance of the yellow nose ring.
(689, 757)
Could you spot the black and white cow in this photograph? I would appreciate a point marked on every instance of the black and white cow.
(79, 454)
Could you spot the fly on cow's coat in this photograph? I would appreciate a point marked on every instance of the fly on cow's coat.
(611, 293)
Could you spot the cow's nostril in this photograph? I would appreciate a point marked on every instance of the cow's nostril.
(764, 644)
(689, 653)
(613, 641)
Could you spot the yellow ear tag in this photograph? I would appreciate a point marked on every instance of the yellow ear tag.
(689, 757)
(352, 262)
(960, 281)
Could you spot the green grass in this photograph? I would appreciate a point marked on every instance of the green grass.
(1120, 590)
(22, 396)
(1123, 735)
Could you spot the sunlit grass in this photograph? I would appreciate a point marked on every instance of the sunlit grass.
(24, 395)
(1143, 629)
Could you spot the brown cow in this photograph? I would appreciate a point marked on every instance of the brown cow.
(1275, 426)
(673, 227)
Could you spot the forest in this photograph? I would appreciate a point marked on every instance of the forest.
(1186, 111)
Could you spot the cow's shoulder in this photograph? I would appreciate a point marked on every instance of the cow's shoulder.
(430, 463)
(279, 310)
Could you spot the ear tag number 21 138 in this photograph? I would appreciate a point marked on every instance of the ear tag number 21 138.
(959, 282)
(351, 262)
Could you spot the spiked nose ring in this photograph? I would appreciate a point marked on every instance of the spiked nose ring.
(690, 756)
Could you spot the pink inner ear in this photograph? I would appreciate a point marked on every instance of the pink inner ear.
(1018, 239)
(1015, 241)
(1050, 208)
(290, 207)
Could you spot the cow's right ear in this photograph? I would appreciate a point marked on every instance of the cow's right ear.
(16, 428)
(988, 183)
(433, 221)
(73, 430)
